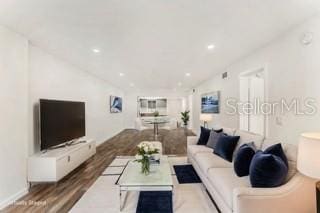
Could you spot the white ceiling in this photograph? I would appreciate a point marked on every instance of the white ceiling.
(153, 42)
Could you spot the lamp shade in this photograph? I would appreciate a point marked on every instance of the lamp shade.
(205, 117)
(308, 162)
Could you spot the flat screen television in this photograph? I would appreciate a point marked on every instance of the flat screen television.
(61, 121)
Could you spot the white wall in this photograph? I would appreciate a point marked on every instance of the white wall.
(28, 74)
(293, 72)
(52, 78)
(176, 103)
(13, 115)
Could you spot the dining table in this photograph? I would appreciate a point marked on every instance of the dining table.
(156, 121)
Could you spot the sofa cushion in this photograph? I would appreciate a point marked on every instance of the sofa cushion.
(248, 137)
(195, 149)
(224, 180)
(213, 139)
(243, 159)
(206, 160)
(267, 170)
(204, 136)
(229, 131)
(225, 146)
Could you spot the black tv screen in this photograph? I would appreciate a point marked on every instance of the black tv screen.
(61, 121)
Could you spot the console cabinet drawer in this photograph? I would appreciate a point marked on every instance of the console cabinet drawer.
(77, 157)
(63, 166)
(56, 164)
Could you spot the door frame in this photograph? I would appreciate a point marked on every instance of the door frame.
(262, 68)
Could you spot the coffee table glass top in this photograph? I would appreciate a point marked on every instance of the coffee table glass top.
(160, 174)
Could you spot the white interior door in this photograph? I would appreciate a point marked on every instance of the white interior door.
(244, 98)
(252, 91)
(256, 94)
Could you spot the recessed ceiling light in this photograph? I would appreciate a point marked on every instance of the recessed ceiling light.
(188, 74)
(211, 47)
(179, 84)
(96, 50)
(132, 85)
(121, 74)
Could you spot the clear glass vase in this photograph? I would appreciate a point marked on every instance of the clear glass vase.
(145, 165)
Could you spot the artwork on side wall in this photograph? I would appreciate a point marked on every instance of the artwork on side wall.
(115, 104)
(210, 102)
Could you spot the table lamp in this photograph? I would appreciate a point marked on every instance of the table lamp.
(308, 162)
(205, 118)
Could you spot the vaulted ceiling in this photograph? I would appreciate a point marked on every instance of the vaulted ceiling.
(153, 43)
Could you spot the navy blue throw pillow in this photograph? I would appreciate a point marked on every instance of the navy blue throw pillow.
(218, 130)
(267, 170)
(277, 151)
(204, 136)
(243, 159)
(225, 146)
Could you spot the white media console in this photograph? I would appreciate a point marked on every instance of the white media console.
(53, 165)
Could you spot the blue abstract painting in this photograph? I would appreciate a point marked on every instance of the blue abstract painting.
(210, 102)
(115, 104)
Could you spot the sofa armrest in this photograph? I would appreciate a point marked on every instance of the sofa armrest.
(192, 140)
(298, 195)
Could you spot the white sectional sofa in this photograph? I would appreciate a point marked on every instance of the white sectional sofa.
(235, 194)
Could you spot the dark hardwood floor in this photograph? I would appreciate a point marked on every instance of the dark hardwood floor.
(60, 197)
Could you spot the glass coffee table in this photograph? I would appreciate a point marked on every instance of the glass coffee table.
(132, 179)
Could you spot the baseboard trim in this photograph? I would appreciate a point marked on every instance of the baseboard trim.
(13, 198)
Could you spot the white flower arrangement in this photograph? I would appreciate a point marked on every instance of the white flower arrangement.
(145, 151)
